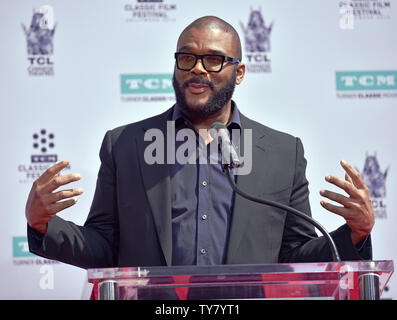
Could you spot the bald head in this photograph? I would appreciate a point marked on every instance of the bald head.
(212, 22)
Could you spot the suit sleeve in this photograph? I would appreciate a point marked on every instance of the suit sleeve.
(95, 244)
(300, 242)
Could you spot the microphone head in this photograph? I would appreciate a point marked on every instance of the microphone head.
(230, 159)
(215, 127)
(218, 125)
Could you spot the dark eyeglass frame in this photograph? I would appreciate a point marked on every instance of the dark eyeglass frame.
(202, 56)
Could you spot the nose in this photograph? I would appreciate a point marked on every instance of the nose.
(199, 67)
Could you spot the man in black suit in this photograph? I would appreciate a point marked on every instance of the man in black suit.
(168, 213)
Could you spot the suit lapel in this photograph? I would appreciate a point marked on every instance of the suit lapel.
(242, 207)
(156, 180)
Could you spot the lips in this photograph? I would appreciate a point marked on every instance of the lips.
(197, 85)
(197, 88)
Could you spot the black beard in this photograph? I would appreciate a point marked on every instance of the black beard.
(216, 102)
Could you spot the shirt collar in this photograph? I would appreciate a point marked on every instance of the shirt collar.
(234, 122)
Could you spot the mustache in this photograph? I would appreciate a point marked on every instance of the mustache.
(198, 80)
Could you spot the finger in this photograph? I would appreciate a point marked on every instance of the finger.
(353, 174)
(61, 195)
(53, 171)
(336, 197)
(348, 178)
(343, 184)
(58, 181)
(341, 211)
(62, 205)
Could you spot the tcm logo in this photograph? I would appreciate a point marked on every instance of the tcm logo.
(20, 247)
(366, 80)
(146, 83)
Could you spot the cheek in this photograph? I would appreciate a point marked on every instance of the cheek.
(220, 81)
(180, 77)
(177, 72)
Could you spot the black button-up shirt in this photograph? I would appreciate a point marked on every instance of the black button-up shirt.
(202, 202)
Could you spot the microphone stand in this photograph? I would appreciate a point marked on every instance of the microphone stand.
(335, 254)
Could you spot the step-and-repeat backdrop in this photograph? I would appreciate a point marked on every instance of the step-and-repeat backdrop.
(325, 71)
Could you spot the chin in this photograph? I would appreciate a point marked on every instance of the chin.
(197, 105)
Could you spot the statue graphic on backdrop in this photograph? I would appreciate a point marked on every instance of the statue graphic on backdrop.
(39, 36)
(373, 177)
(256, 34)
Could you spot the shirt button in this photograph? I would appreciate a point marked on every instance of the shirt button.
(204, 183)
(203, 251)
(204, 217)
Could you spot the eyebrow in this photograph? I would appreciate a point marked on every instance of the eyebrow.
(212, 51)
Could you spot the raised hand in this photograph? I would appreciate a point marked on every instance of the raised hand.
(43, 203)
(357, 208)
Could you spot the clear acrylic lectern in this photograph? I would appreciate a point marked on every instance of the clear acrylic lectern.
(329, 280)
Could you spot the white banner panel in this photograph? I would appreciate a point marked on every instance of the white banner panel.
(71, 70)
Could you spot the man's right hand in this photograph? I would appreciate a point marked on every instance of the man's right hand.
(43, 203)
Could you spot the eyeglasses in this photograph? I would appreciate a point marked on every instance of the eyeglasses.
(211, 62)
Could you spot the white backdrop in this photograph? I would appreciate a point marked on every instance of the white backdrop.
(71, 91)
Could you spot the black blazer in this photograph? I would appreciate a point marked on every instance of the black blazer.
(129, 223)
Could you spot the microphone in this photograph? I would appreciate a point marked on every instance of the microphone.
(219, 129)
(230, 158)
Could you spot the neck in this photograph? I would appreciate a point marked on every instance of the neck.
(222, 115)
(202, 125)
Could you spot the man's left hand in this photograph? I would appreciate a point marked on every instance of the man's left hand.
(357, 208)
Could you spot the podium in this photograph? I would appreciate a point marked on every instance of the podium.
(355, 280)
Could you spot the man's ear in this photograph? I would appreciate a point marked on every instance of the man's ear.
(240, 72)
